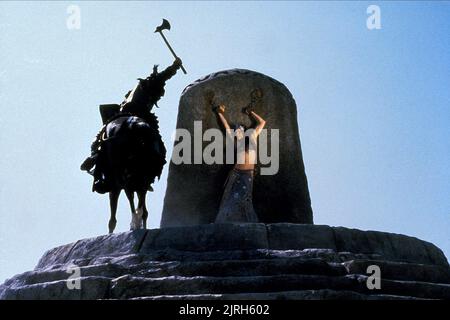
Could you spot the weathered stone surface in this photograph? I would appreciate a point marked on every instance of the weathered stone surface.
(112, 244)
(285, 236)
(55, 256)
(402, 271)
(229, 268)
(239, 261)
(411, 288)
(91, 288)
(194, 190)
(324, 294)
(390, 245)
(229, 237)
(208, 237)
(128, 286)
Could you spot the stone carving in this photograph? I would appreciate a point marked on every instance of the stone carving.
(194, 190)
(227, 73)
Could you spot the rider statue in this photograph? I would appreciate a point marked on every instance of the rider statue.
(138, 102)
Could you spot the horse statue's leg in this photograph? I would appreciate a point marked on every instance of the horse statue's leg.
(130, 196)
(136, 215)
(113, 199)
(142, 206)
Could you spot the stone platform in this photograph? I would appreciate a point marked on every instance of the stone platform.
(239, 261)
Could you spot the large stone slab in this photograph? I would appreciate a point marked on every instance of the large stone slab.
(223, 238)
(194, 190)
(323, 294)
(91, 288)
(389, 245)
(289, 236)
(212, 237)
(115, 244)
(402, 271)
(128, 286)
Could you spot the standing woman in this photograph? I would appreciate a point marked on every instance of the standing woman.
(236, 204)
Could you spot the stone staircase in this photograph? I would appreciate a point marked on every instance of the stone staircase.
(238, 261)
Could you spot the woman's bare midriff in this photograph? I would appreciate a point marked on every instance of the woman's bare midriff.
(248, 164)
(245, 167)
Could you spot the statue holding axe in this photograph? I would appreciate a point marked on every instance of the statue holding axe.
(166, 26)
(138, 102)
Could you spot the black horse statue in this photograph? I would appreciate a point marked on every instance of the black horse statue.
(128, 152)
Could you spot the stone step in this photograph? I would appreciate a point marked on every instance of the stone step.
(235, 268)
(43, 276)
(261, 267)
(323, 294)
(252, 236)
(256, 267)
(328, 255)
(168, 255)
(155, 269)
(91, 288)
(127, 286)
(401, 271)
(238, 260)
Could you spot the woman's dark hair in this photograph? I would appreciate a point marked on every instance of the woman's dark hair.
(237, 126)
(246, 138)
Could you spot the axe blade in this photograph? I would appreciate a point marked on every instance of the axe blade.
(165, 25)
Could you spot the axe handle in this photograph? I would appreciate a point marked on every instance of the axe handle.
(171, 50)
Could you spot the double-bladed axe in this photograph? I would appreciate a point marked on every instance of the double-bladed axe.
(166, 26)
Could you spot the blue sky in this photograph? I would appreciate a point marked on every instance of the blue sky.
(373, 107)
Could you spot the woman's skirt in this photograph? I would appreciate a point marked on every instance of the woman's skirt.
(237, 204)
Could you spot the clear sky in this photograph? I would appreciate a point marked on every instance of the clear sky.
(373, 107)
